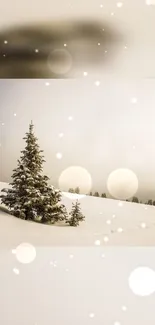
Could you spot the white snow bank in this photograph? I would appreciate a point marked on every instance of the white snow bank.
(108, 222)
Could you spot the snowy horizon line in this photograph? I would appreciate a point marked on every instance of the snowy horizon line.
(108, 195)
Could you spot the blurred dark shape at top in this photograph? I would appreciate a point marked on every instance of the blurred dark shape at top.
(18, 58)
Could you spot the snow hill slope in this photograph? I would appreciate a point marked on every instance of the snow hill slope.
(108, 223)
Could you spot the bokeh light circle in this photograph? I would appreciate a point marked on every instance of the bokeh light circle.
(73, 177)
(142, 281)
(60, 61)
(25, 253)
(97, 242)
(122, 183)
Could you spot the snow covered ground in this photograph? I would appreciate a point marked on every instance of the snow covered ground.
(108, 223)
(62, 277)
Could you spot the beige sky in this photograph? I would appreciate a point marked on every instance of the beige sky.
(111, 127)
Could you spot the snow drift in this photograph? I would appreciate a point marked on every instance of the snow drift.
(108, 223)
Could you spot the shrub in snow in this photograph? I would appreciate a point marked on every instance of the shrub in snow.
(71, 190)
(77, 190)
(75, 215)
(135, 199)
(96, 194)
(30, 196)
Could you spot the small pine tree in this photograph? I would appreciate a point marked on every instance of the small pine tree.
(90, 194)
(96, 194)
(135, 199)
(30, 196)
(150, 202)
(77, 190)
(76, 215)
(103, 195)
(153, 202)
(71, 190)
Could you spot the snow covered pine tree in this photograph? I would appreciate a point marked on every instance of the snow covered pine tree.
(30, 196)
(76, 215)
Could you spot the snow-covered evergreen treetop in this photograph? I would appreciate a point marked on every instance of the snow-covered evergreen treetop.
(30, 196)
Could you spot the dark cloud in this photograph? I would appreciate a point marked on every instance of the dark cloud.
(19, 60)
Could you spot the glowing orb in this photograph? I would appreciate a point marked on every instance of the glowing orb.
(70, 118)
(25, 253)
(97, 83)
(119, 230)
(134, 100)
(150, 2)
(60, 61)
(74, 177)
(97, 243)
(143, 225)
(119, 4)
(122, 184)
(16, 271)
(59, 155)
(106, 239)
(142, 281)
